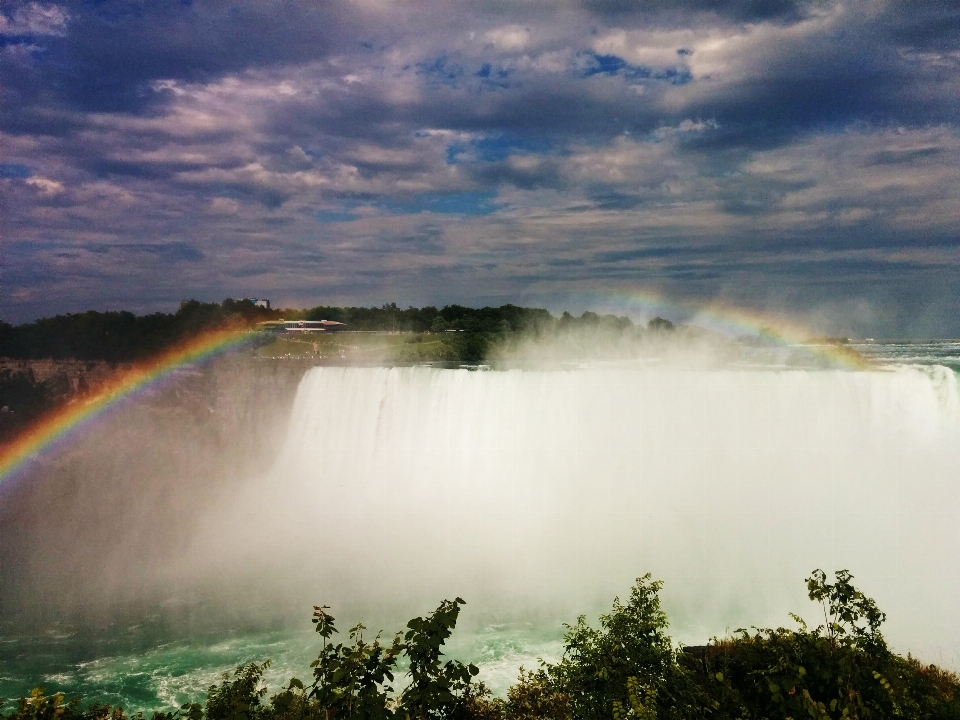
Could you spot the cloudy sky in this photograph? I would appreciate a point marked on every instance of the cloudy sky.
(792, 157)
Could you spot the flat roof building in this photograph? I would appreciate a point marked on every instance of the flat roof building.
(301, 325)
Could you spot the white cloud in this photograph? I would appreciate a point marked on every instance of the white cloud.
(510, 38)
(224, 206)
(35, 19)
(45, 185)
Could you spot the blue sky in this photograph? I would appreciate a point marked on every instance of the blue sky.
(800, 158)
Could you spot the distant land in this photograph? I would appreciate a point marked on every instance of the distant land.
(53, 360)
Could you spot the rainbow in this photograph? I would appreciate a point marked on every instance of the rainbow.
(723, 318)
(57, 427)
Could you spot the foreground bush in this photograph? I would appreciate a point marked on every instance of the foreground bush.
(627, 669)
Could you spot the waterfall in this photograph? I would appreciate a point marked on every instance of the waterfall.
(547, 492)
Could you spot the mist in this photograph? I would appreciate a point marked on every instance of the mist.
(87, 531)
(540, 494)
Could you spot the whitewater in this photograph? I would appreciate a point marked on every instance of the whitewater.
(540, 494)
(553, 489)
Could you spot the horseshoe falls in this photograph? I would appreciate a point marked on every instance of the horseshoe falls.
(540, 494)
(536, 495)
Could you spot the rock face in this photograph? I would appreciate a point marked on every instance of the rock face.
(75, 376)
(30, 388)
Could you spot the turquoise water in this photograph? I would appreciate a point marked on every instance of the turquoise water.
(138, 667)
(147, 667)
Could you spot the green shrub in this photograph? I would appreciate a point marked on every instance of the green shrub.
(841, 669)
(631, 641)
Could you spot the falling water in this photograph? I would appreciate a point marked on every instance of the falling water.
(543, 493)
(533, 494)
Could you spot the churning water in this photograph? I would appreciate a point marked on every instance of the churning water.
(539, 494)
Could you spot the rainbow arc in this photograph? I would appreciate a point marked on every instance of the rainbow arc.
(728, 320)
(57, 427)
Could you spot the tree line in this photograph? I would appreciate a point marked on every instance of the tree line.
(122, 336)
(628, 668)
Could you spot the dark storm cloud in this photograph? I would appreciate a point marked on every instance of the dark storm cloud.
(739, 10)
(898, 157)
(166, 252)
(111, 51)
(931, 25)
(471, 152)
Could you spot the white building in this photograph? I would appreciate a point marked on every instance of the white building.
(301, 325)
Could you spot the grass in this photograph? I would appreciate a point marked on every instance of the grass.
(361, 347)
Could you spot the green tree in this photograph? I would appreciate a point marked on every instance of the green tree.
(352, 681)
(239, 699)
(849, 615)
(632, 642)
(436, 688)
